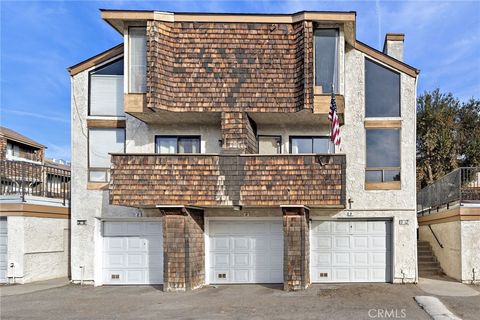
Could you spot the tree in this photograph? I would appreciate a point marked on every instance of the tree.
(437, 149)
(448, 135)
(469, 133)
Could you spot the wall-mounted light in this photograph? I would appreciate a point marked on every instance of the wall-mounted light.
(81, 222)
(237, 208)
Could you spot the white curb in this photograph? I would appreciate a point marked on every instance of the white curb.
(435, 308)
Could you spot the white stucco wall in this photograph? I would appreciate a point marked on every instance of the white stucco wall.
(38, 248)
(470, 251)
(449, 256)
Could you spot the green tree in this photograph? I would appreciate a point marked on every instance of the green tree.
(437, 148)
(468, 118)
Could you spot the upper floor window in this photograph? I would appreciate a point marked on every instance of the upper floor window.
(102, 142)
(106, 90)
(383, 155)
(269, 144)
(382, 91)
(177, 144)
(306, 144)
(137, 60)
(326, 60)
(22, 152)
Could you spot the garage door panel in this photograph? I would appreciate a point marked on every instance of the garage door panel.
(341, 242)
(3, 250)
(342, 227)
(359, 253)
(254, 252)
(132, 252)
(241, 244)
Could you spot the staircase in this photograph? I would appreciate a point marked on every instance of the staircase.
(427, 262)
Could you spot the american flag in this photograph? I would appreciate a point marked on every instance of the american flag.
(335, 122)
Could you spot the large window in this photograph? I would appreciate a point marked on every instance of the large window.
(382, 91)
(326, 56)
(137, 60)
(269, 144)
(311, 145)
(106, 90)
(101, 142)
(383, 155)
(177, 144)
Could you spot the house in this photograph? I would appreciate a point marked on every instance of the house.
(34, 211)
(449, 225)
(201, 153)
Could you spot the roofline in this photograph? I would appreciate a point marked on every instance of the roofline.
(28, 142)
(96, 59)
(229, 13)
(388, 60)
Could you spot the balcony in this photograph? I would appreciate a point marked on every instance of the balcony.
(23, 181)
(213, 180)
(459, 187)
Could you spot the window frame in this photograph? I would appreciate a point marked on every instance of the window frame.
(365, 88)
(269, 136)
(112, 61)
(337, 60)
(157, 136)
(309, 137)
(129, 89)
(101, 169)
(384, 185)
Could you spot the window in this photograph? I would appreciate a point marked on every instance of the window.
(106, 90)
(311, 145)
(269, 144)
(383, 155)
(326, 53)
(137, 60)
(101, 142)
(177, 144)
(382, 91)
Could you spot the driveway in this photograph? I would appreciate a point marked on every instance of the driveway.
(360, 301)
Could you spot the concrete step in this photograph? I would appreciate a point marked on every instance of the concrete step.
(430, 258)
(425, 253)
(424, 273)
(428, 265)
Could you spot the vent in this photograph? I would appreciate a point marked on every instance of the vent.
(115, 276)
(323, 275)
(221, 276)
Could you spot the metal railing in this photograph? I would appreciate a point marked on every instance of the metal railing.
(28, 179)
(462, 185)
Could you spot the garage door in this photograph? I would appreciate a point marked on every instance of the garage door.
(132, 253)
(246, 251)
(350, 251)
(3, 250)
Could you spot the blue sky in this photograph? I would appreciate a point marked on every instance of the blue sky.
(40, 39)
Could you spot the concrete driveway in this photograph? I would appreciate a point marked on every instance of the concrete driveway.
(361, 301)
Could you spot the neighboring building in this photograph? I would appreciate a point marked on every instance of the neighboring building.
(34, 211)
(449, 220)
(201, 153)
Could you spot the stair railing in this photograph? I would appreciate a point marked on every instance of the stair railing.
(436, 238)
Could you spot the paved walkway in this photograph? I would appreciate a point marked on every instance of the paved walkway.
(12, 290)
(446, 287)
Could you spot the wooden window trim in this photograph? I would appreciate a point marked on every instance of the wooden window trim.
(382, 124)
(387, 185)
(97, 185)
(105, 123)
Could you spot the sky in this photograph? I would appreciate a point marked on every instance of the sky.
(39, 40)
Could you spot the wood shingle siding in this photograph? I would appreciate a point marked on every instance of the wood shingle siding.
(225, 180)
(230, 67)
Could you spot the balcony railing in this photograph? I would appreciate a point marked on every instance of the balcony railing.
(462, 185)
(28, 179)
(211, 180)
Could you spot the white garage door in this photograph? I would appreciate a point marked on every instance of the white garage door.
(246, 251)
(350, 251)
(3, 250)
(132, 253)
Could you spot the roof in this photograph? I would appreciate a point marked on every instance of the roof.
(17, 137)
(96, 59)
(53, 164)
